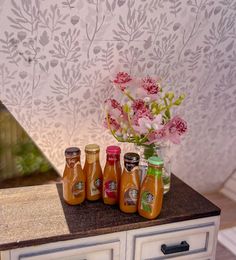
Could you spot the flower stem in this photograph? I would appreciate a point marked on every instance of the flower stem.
(129, 96)
(130, 125)
(167, 113)
(148, 150)
(112, 132)
(122, 140)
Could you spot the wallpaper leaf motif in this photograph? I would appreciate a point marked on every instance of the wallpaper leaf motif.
(69, 3)
(97, 27)
(164, 50)
(157, 27)
(66, 47)
(131, 58)
(6, 76)
(196, 7)
(131, 28)
(175, 7)
(57, 59)
(52, 20)
(68, 83)
(9, 47)
(108, 57)
(26, 15)
(194, 57)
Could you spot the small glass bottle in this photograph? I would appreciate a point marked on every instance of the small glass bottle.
(152, 189)
(111, 175)
(93, 172)
(73, 177)
(129, 184)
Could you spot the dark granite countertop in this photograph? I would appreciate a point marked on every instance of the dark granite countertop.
(37, 215)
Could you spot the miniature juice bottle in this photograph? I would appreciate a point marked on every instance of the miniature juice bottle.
(129, 184)
(111, 176)
(151, 193)
(93, 172)
(73, 177)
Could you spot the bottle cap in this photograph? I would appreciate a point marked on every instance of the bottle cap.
(113, 149)
(92, 148)
(132, 157)
(155, 161)
(72, 151)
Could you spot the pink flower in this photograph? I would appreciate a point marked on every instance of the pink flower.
(114, 107)
(138, 104)
(159, 135)
(114, 125)
(141, 113)
(175, 128)
(121, 79)
(145, 124)
(170, 131)
(149, 87)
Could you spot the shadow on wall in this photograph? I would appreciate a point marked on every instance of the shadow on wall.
(21, 162)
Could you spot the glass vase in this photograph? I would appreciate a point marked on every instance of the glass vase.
(160, 150)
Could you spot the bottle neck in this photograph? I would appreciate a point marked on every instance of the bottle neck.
(92, 157)
(113, 159)
(155, 171)
(130, 166)
(72, 162)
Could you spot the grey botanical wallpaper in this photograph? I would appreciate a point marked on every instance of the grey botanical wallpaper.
(57, 56)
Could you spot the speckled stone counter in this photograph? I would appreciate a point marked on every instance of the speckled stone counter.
(37, 215)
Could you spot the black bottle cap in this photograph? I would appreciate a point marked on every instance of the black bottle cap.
(132, 157)
(72, 151)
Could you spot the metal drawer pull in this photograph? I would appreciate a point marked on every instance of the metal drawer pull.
(182, 247)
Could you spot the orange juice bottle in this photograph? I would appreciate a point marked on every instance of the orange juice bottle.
(93, 172)
(129, 184)
(111, 175)
(73, 177)
(151, 193)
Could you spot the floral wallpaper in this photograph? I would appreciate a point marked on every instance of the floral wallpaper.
(57, 56)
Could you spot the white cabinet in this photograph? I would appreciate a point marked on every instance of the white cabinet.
(198, 238)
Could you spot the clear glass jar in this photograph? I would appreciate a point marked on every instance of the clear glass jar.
(163, 152)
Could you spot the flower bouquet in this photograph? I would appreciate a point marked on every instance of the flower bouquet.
(145, 117)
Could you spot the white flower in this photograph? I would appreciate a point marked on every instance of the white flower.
(155, 126)
(129, 103)
(147, 99)
(148, 125)
(145, 124)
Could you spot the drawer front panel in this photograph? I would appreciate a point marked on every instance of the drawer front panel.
(193, 239)
(105, 247)
(149, 246)
(108, 251)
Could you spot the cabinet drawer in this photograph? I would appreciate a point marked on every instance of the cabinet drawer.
(180, 241)
(149, 246)
(107, 251)
(104, 247)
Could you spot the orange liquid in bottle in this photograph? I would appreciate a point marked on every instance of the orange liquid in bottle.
(73, 178)
(111, 176)
(93, 172)
(129, 184)
(151, 193)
